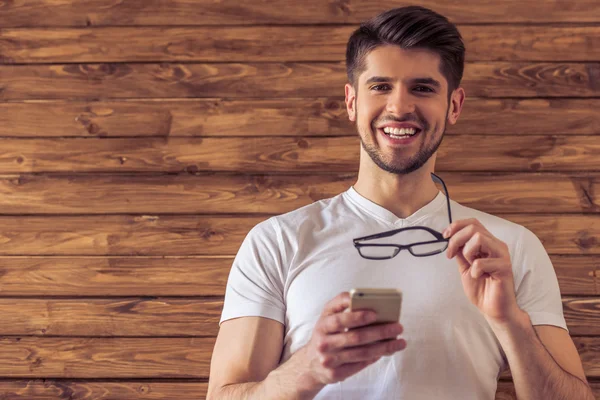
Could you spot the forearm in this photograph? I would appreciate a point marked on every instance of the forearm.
(535, 373)
(283, 383)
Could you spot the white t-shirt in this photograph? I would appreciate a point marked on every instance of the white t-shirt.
(291, 265)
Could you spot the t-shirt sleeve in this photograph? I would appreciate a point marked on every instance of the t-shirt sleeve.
(255, 283)
(536, 284)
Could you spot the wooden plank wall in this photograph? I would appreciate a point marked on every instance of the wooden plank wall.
(140, 141)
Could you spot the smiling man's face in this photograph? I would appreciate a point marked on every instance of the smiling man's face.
(402, 89)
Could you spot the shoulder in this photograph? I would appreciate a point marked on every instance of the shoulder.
(312, 213)
(493, 223)
(511, 233)
(521, 241)
(282, 230)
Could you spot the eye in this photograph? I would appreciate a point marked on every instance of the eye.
(428, 89)
(379, 86)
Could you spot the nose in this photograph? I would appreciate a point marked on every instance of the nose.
(400, 102)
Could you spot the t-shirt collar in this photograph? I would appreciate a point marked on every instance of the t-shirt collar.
(389, 217)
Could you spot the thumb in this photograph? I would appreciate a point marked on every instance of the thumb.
(485, 265)
(463, 263)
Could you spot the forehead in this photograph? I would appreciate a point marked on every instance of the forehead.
(395, 62)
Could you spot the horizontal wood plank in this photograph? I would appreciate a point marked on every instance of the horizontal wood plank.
(582, 315)
(52, 389)
(136, 358)
(130, 390)
(275, 194)
(162, 317)
(244, 12)
(101, 358)
(124, 235)
(236, 80)
(173, 276)
(277, 117)
(190, 276)
(275, 44)
(184, 235)
(112, 317)
(521, 153)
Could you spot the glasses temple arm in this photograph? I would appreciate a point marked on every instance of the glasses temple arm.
(439, 180)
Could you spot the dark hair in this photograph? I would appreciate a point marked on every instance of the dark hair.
(408, 27)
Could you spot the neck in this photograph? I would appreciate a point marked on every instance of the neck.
(402, 195)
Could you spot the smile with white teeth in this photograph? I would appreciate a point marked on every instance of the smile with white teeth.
(399, 133)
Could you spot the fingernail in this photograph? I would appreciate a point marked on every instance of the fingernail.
(446, 233)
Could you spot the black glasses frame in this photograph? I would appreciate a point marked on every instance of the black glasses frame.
(439, 237)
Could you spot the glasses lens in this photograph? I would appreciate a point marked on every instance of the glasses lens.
(378, 251)
(427, 249)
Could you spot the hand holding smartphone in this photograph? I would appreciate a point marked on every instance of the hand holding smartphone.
(345, 341)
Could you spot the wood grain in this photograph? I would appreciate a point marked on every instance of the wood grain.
(582, 315)
(168, 317)
(259, 80)
(174, 276)
(53, 389)
(244, 12)
(527, 153)
(130, 390)
(190, 276)
(275, 44)
(142, 140)
(183, 235)
(325, 116)
(124, 235)
(212, 193)
(137, 358)
(122, 317)
(102, 358)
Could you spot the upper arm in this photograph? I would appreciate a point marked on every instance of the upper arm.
(246, 350)
(559, 344)
(539, 295)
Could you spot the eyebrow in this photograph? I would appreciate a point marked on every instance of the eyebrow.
(426, 81)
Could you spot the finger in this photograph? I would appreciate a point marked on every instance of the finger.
(490, 266)
(478, 246)
(363, 353)
(459, 239)
(483, 246)
(361, 336)
(462, 237)
(342, 321)
(338, 304)
(460, 224)
(463, 264)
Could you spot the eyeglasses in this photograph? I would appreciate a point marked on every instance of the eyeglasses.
(433, 241)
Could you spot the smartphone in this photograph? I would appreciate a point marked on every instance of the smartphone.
(385, 302)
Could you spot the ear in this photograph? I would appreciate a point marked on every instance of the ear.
(456, 103)
(350, 102)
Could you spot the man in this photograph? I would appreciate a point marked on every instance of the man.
(486, 297)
